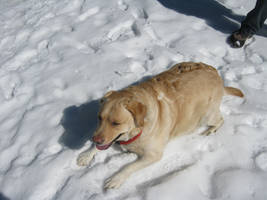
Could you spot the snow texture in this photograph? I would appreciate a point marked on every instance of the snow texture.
(59, 57)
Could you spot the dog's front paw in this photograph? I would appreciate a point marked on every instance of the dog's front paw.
(115, 181)
(84, 159)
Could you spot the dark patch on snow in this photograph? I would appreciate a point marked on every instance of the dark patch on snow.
(3, 197)
(79, 123)
(215, 14)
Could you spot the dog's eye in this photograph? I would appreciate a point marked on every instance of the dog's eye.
(115, 123)
(99, 118)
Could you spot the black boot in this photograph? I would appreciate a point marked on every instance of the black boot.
(238, 38)
(250, 26)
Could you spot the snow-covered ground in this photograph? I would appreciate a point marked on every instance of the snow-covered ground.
(58, 57)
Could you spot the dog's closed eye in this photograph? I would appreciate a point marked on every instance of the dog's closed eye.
(115, 124)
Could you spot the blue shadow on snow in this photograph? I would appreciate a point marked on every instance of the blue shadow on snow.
(79, 123)
(215, 14)
(3, 197)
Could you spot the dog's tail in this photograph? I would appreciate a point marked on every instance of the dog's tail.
(233, 91)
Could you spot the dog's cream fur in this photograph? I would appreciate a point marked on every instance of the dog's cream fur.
(170, 104)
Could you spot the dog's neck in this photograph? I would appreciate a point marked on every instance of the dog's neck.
(131, 140)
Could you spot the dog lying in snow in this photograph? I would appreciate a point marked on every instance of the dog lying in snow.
(144, 117)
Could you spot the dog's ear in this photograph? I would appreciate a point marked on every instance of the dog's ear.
(103, 99)
(138, 111)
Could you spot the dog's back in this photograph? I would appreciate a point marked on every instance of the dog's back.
(187, 94)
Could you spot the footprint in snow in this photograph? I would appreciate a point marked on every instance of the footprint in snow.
(64, 41)
(134, 68)
(122, 5)
(9, 85)
(137, 13)
(90, 12)
(20, 59)
(261, 161)
(122, 31)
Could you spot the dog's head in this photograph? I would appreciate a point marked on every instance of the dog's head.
(118, 117)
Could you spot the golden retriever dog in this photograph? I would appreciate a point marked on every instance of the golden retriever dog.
(144, 117)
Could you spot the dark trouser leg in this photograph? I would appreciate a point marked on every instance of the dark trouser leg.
(255, 18)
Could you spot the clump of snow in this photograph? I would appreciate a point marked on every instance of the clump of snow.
(59, 57)
(261, 161)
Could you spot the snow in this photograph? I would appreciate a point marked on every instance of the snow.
(59, 57)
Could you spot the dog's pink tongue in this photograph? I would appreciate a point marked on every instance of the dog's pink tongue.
(103, 147)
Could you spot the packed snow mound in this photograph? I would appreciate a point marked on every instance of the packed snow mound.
(59, 57)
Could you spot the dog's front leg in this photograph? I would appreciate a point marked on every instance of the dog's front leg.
(119, 178)
(87, 156)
